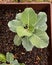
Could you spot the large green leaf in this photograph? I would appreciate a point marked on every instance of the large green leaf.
(2, 58)
(42, 19)
(13, 25)
(21, 31)
(15, 62)
(27, 44)
(39, 39)
(42, 27)
(9, 57)
(29, 17)
(17, 40)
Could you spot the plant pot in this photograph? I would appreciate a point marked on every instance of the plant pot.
(51, 24)
(51, 32)
(8, 12)
(25, 1)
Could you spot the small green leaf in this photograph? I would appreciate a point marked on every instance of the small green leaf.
(40, 39)
(27, 44)
(9, 57)
(22, 64)
(42, 19)
(15, 62)
(18, 16)
(17, 40)
(13, 25)
(2, 58)
(23, 32)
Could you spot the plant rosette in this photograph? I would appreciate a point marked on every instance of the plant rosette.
(9, 58)
(30, 29)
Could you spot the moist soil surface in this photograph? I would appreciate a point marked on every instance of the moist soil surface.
(34, 57)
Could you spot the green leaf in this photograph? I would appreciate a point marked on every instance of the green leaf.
(22, 64)
(29, 17)
(9, 57)
(2, 58)
(17, 40)
(13, 25)
(42, 27)
(27, 44)
(15, 62)
(39, 39)
(21, 31)
(42, 19)
(18, 16)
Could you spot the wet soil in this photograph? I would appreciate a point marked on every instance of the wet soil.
(34, 57)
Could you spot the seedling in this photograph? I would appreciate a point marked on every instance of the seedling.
(10, 60)
(30, 29)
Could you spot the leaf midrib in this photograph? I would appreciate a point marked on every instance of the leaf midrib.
(28, 19)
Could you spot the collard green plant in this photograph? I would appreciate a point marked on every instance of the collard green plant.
(30, 29)
(10, 59)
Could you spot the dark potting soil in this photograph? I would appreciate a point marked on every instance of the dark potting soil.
(34, 57)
